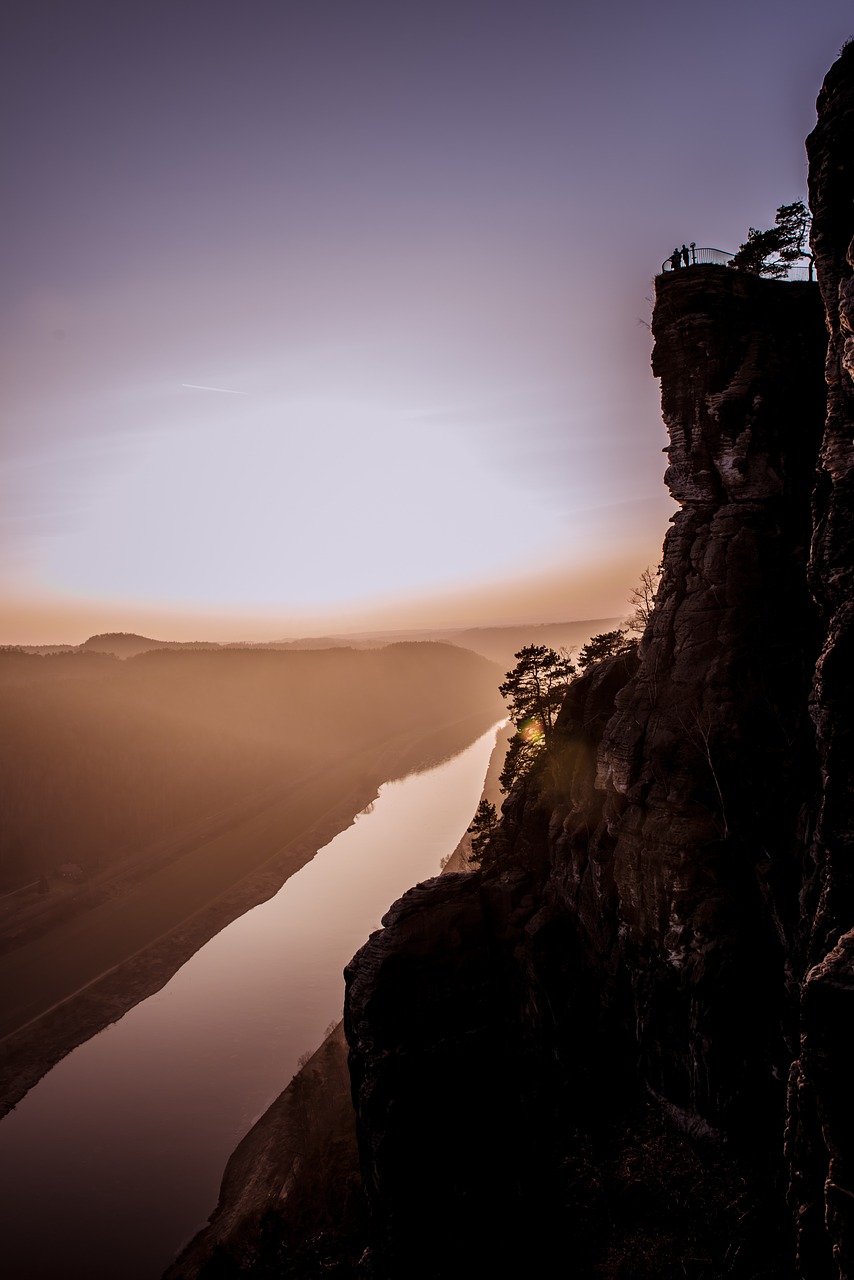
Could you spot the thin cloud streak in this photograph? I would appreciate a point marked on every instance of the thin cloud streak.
(226, 391)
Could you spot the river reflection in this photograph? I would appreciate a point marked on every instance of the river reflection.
(113, 1161)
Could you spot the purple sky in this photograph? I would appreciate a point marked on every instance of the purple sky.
(418, 239)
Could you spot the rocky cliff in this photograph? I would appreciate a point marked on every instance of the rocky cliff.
(821, 1126)
(586, 1047)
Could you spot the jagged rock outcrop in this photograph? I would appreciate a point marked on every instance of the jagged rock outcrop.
(665, 911)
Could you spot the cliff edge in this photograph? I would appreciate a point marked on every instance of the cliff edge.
(598, 1044)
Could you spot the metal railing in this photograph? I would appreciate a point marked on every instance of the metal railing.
(698, 257)
(800, 273)
(720, 257)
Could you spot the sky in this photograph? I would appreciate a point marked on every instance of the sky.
(333, 314)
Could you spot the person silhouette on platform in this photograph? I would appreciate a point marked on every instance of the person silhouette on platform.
(686, 257)
(676, 259)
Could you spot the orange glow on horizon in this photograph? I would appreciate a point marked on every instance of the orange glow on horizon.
(562, 594)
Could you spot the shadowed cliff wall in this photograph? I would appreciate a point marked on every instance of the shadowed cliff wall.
(821, 1129)
(637, 925)
(708, 763)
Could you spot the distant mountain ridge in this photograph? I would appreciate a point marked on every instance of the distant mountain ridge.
(127, 644)
(122, 644)
(496, 643)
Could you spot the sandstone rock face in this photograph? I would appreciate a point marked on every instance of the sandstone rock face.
(709, 760)
(668, 906)
(821, 1131)
(679, 829)
(639, 922)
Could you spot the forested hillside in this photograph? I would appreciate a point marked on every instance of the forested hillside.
(99, 757)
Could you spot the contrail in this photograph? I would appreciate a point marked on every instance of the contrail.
(226, 391)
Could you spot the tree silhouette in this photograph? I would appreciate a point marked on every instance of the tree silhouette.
(772, 252)
(480, 829)
(520, 756)
(605, 645)
(642, 598)
(535, 688)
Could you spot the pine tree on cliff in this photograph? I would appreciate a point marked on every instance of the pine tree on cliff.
(534, 690)
(606, 645)
(480, 829)
(772, 252)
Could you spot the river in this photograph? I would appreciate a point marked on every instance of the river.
(113, 1161)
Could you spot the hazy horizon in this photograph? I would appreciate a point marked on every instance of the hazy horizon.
(82, 621)
(329, 318)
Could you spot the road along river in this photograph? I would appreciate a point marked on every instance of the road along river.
(113, 1161)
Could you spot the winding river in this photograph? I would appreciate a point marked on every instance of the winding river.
(113, 1161)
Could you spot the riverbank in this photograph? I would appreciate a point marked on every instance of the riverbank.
(459, 859)
(297, 1169)
(336, 796)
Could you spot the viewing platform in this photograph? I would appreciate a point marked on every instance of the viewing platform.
(698, 257)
